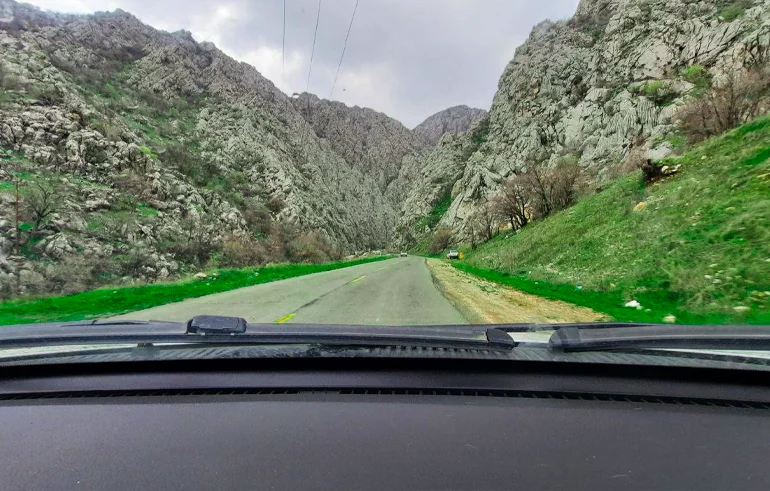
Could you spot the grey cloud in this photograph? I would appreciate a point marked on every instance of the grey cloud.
(422, 55)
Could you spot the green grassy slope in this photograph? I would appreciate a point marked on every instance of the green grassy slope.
(698, 248)
(112, 301)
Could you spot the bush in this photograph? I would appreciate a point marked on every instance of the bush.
(238, 252)
(698, 76)
(312, 247)
(75, 274)
(657, 92)
(732, 102)
(190, 164)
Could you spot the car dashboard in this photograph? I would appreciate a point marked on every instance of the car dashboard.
(382, 424)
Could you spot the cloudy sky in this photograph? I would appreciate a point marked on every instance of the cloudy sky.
(406, 58)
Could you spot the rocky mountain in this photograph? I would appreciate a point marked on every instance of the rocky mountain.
(140, 152)
(371, 141)
(453, 120)
(611, 79)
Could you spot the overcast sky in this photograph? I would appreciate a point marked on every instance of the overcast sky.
(406, 58)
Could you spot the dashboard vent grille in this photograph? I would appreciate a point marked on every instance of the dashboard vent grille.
(556, 395)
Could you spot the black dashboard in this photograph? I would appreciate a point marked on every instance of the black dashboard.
(393, 424)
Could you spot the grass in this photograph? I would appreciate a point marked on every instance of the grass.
(435, 215)
(697, 248)
(109, 301)
(146, 211)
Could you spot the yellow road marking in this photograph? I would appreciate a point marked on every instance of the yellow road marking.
(359, 279)
(285, 318)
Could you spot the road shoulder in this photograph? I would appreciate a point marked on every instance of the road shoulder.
(484, 302)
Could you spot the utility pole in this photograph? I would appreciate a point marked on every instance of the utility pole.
(17, 183)
(16, 204)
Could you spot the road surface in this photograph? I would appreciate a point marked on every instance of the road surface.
(397, 291)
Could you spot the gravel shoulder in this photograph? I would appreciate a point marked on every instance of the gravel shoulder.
(484, 302)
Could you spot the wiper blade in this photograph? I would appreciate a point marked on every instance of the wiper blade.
(662, 336)
(231, 330)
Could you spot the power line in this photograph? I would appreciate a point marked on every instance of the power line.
(312, 52)
(343, 49)
(283, 50)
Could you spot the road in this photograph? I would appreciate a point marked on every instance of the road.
(397, 291)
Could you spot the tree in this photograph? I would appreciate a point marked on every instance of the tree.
(551, 188)
(511, 203)
(42, 201)
(728, 104)
(483, 222)
(442, 238)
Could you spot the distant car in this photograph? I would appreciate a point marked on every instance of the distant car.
(453, 255)
(403, 254)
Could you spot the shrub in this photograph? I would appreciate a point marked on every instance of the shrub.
(192, 245)
(657, 92)
(312, 247)
(79, 273)
(190, 164)
(698, 76)
(239, 252)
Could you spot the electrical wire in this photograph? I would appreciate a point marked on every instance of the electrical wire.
(343, 49)
(312, 52)
(283, 50)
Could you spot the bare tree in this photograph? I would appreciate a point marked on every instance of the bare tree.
(442, 238)
(735, 100)
(551, 188)
(42, 201)
(483, 222)
(511, 203)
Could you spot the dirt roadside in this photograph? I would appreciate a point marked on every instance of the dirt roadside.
(484, 302)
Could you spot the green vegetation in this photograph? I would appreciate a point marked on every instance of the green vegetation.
(656, 91)
(438, 211)
(695, 245)
(146, 211)
(112, 301)
(734, 10)
(698, 76)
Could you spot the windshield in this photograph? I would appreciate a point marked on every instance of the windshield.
(387, 163)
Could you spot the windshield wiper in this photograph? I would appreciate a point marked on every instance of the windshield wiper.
(232, 330)
(662, 336)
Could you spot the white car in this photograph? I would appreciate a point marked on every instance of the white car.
(403, 254)
(453, 255)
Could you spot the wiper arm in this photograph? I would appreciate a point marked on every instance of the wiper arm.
(715, 337)
(232, 330)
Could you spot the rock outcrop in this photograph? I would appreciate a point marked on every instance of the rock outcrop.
(455, 120)
(371, 141)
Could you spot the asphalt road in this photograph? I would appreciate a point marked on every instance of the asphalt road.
(397, 291)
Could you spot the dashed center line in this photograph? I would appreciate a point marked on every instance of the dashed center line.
(285, 318)
(358, 279)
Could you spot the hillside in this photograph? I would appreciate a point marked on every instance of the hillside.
(153, 153)
(591, 89)
(454, 120)
(695, 245)
(372, 142)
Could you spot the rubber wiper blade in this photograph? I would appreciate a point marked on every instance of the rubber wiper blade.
(662, 336)
(233, 330)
